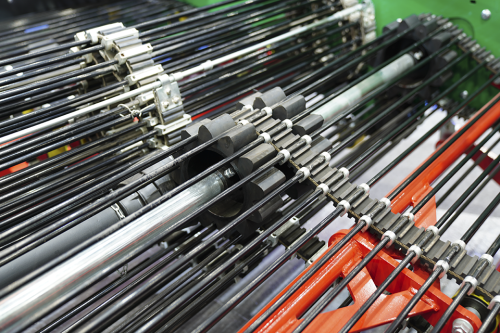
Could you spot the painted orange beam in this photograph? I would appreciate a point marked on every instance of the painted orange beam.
(421, 185)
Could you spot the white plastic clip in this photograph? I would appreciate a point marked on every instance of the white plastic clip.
(247, 108)
(346, 205)
(305, 173)
(266, 136)
(324, 188)
(487, 257)
(418, 252)
(243, 122)
(391, 235)
(495, 300)
(288, 123)
(434, 230)
(286, 156)
(365, 187)
(472, 281)
(386, 202)
(368, 222)
(268, 111)
(410, 216)
(327, 156)
(460, 243)
(344, 171)
(307, 138)
(444, 265)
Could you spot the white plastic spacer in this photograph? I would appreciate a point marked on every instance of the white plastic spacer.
(386, 202)
(286, 156)
(247, 108)
(368, 222)
(434, 230)
(266, 136)
(327, 156)
(444, 265)
(324, 188)
(268, 111)
(344, 171)
(208, 65)
(307, 138)
(288, 123)
(365, 187)
(418, 252)
(306, 173)
(472, 281)
(391, 235)
(487, 257)
(346, 205)
(460, 243)
(495, 300)
(411, 217)
(243, 122)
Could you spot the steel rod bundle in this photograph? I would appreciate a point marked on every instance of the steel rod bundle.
(191, 143)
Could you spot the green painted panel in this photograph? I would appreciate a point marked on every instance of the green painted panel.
(199, 3)
(465, 13)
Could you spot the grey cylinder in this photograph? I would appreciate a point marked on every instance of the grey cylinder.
(59, 284)
(62, 243)
(354, 94)
(44, 253)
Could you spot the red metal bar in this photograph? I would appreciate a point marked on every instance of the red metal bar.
(383, 311)
(419, 187)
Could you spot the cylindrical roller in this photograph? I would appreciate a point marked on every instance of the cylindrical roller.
(32, 260)
(59, 284)
(353, 95)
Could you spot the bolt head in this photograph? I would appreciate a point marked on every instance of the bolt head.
(485, 14)
(462, 326)
(165, 104)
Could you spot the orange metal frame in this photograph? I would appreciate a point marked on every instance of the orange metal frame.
(383, 311)
(387, 307)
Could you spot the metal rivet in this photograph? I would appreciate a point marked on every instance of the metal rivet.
(485, 14)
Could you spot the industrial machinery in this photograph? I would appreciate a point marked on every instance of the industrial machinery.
(161, 163)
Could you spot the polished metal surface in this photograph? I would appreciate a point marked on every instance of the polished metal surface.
(97, 261)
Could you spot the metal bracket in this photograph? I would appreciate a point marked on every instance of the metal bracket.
(118, 211)
(92, 33)
(107, 41)
(130, 52)
(167, 96)
(134, 77)
(173, 126)
(145, 97)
